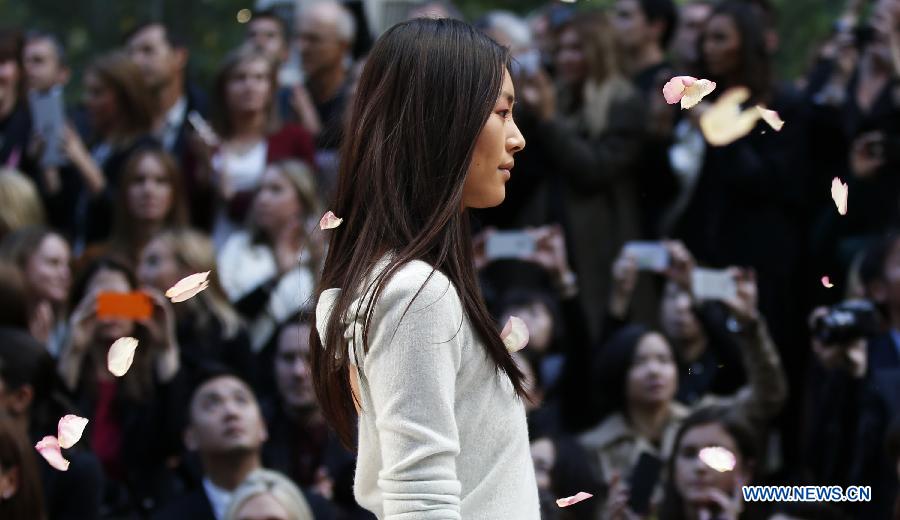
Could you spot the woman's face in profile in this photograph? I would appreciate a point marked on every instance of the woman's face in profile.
(492, 160)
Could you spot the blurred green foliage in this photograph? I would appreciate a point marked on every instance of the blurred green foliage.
(90, 27)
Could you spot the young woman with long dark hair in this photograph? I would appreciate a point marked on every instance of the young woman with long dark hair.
(442, 430)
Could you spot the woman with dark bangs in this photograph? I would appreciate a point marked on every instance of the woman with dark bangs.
(423, 371)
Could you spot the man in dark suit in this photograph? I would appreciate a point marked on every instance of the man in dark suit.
(226, 429)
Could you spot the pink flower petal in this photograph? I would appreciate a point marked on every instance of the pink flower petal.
(718, 458)
(69, 430)
(190, 284)
(565, 502)
(724, 122)
(771, 117)
(694, 93)
(120, 355)
(674, 89)
(329, 221)
(839, 194)
(48, 447)
(827, 283)
(514, 334)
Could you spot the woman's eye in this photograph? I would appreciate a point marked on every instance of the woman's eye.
(505, 113)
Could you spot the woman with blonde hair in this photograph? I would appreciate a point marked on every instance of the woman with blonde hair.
(269, 495)
(269, 268)
(20, 203)
(207, 324)
(593, 131)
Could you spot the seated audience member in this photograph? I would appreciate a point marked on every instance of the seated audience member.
(20, 486)
(30, 397)
(268, 495)
(225, 428)
(20, 203)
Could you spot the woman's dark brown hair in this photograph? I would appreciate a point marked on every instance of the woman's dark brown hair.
(221, 116)
(135, 100)
(16, 454)
(424, 96)
(124, 239)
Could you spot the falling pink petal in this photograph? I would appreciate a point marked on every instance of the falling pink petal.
(718, 458)
(48, 447)
(69, 430)
(188, 287)
(120, 355)
(673, 90)
(839, 194)
(725, 122)
(771, 117)
(514, 334)
(565, 502)
(329, 221)
(827, 283)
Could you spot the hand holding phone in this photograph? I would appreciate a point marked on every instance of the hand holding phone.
(650, 256)
(509, 244)
(713, 284)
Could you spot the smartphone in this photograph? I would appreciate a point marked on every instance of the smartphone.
(509, 244)
(643, 481)
(127, 306)
(713, 284)
(49, 120)
(651, 256)
(526, 63)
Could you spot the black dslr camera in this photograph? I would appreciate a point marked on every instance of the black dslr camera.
(846, 321)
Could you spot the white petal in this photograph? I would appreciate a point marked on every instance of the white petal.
(771, 117)
(120, 355)
(187, 283)
(694, 93)
(839, 193)
(329, 221)
(718, 458)
(69, 430)
(574, 499)
(190, 293)
(48, 447)
(674, 89)
(514, 334)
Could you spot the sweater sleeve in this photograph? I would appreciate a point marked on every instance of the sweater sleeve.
(410, 371)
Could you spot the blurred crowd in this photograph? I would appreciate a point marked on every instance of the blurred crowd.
(151, 178)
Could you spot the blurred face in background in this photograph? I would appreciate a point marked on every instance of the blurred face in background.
(158, 266)
(292, 374)
(150, 190)
(652, 377)
(691, 19)
(276, 203)
(101, 103)
(722, 46)
(47, 271)
(539, 322)
(320, 44)
(268, 36)
(225, 418)
(630, 25)
(676, 317)
(158, 60)
(249, 87)
(42, 66)
(694, 478)
(110, 329)
(571, 66)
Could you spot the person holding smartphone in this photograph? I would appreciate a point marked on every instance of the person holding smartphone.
(405, 350)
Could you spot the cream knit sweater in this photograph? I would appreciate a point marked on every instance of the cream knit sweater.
(441, 434)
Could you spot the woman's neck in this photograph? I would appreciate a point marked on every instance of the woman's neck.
(248, 127)
(649, 421)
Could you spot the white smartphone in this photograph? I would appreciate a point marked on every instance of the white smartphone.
(509, 244)
(49, 120)
(713, 284)
(650, 256)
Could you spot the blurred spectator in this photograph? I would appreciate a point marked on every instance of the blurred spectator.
(268, 32)
(44, 59)
(594, 140)
(268, 270)
(15, 121)
(225, 428)
(132, 430)
(246, 120)
(639, 380)
(268, 495)
(30, 396)
(12, 293)
(207, 325)
(20, 203)
(20, 485)
(696, 491)
(121, 110)
(151, 199)
(644, 29)
(692, 16)
(44, 259)
(561, 468)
